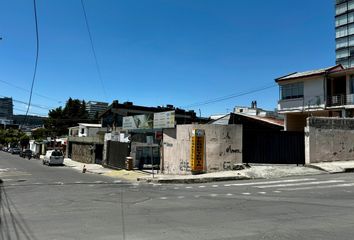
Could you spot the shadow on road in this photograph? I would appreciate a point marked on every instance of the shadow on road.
(12, 224)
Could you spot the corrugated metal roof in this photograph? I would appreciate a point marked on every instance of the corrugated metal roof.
(308, 73)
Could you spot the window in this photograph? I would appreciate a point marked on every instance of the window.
(342, 54)
(341, 32)
(342, 42)
(293, 90)
(341, 8)
(350, 5)
(82, 130)
(341, 20)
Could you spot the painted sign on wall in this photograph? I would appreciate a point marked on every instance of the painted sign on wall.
(197, 150)
(138, 122)
(164, 119)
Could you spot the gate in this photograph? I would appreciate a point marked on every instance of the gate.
(116, 154)
(272, 147)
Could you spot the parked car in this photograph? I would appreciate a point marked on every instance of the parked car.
(15, 151)
(53, 157)
(26, 153)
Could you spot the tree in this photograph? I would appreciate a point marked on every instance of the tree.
(60, 120)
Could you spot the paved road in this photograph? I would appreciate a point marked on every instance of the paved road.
(41, 202)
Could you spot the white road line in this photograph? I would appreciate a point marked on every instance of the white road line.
(213, 195)
(78, 182)
(227, 185)
(202, 186)
(299, 184)
(189, 187)
(273, 182)
(246, 193)
(176, 188)
(320, 187)
(117, 181)
(276, 191)
(229, 194)
(262, 192)
(163, 198)
(215, 186)
(180, 197)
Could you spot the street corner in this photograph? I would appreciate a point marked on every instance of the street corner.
(127, 175)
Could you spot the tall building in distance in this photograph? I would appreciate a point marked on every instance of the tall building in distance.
(6, 108)
(344, 23)
(94, 107)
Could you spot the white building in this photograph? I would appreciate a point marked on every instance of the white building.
(327, 92)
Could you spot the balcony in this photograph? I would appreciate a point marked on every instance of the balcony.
(340, 100)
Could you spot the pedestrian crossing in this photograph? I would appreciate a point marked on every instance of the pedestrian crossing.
(258, 188)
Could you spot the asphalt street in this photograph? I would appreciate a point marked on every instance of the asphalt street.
(41, 202)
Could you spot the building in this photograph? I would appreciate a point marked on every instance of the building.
(6, 108)
(94, 107)
(327, 92)
(344, 24)
(113, 116)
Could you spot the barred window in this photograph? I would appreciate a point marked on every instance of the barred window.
(293, 90)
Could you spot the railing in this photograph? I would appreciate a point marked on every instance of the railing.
(340, 100)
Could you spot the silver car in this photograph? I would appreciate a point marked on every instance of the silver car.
(53, 157)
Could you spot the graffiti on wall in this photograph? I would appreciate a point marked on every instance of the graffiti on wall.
(229, 149)
(184, 166)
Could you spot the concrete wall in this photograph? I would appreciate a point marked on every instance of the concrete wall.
(329, 139)
(297, 121)
(83, 152)
(223, 148)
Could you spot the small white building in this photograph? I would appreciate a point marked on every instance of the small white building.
(88, 129)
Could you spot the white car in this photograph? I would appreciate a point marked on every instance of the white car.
(53, 157)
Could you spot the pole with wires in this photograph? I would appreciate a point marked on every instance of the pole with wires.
(35, 64)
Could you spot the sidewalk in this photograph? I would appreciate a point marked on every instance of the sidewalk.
(99, 169)
(334, 167)
(255, 171)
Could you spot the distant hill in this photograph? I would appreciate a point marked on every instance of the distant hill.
(31, 120)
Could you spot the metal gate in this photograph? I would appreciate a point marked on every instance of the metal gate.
(116, 154)
(271, 147)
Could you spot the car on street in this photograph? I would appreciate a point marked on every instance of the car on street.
(15, 151)
(26, 153)
(53, 157)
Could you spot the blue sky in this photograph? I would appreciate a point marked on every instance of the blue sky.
(158, 52)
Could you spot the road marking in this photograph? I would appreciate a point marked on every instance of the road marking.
(59, 183)
(246, 193)
(202, 186)
(276, 191)
(300, 184)
(227, 185)
(163, 198)
(189, 187)
(117, 181)
(78, 182)
(176, 188)
(215, 186)
(320, 187)
(262, 192)
(180, 197)
(213, 195)
(229, 194)
(273, 182)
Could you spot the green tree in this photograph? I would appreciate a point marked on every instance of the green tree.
(60, 120)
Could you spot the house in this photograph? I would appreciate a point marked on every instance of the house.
(327, 92)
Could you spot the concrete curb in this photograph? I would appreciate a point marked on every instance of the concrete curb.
(194, 180)
(316, 167)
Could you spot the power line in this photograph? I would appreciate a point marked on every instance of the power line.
(26, 90)
(32, 105)
(32, 113)
(93, 48)
(36, 62)
(227, 97)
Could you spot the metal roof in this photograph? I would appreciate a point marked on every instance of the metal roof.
(308, 73)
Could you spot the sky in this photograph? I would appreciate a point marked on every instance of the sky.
(159, 52)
